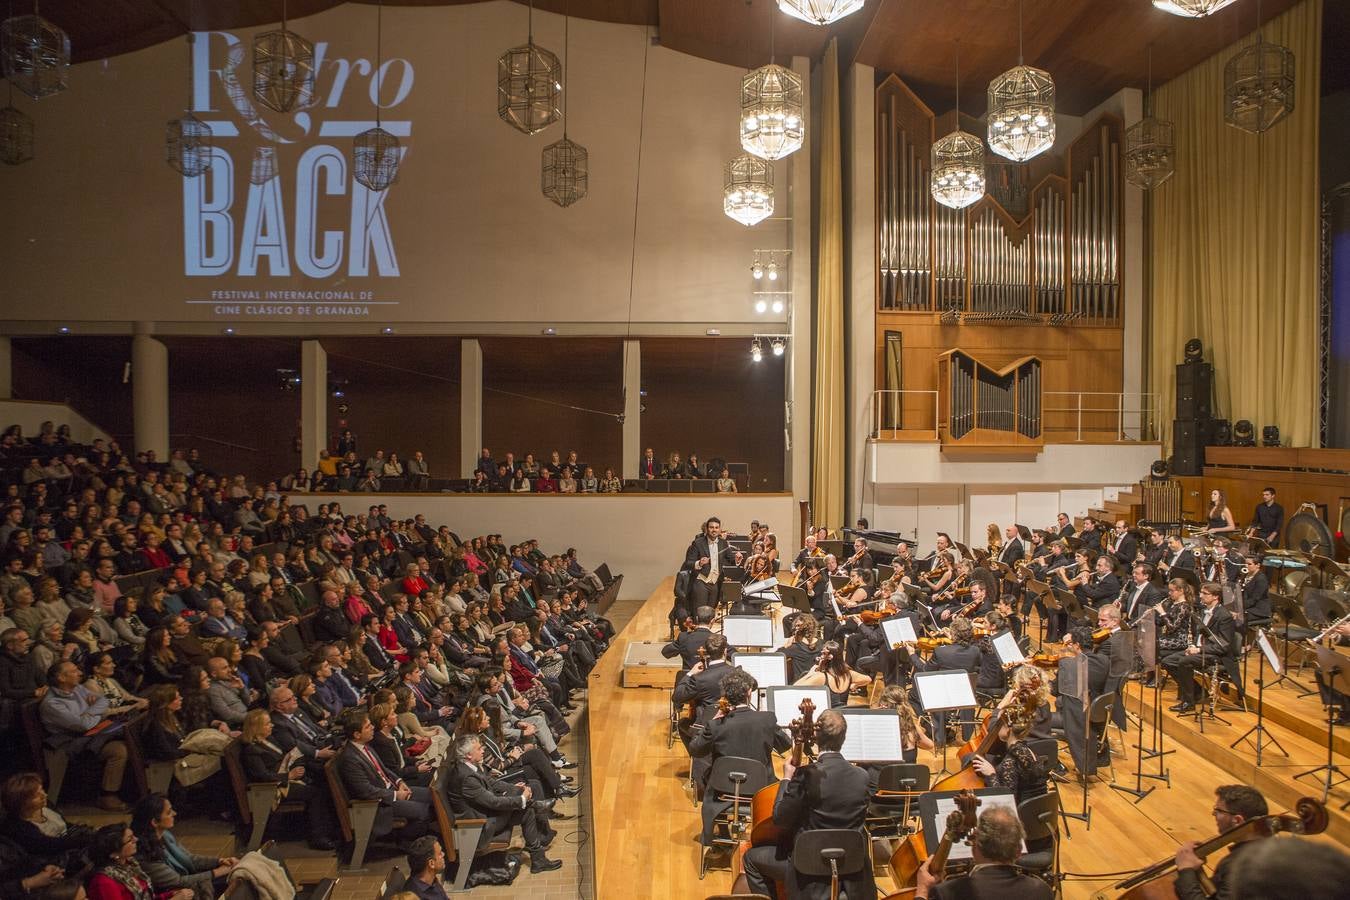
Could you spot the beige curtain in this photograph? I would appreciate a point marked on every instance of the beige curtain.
(1235, 244)
(827, 450)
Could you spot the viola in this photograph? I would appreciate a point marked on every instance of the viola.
(874, 616)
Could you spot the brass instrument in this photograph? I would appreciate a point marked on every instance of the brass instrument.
(1326, 632)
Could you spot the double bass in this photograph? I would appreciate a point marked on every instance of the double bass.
(1309, 816)
(762, 829)
(911, 853)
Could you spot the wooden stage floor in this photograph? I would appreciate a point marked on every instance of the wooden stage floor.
(646, 825)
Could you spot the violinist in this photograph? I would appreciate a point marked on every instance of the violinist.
(1233, 805)
(913, 737)
(939, 575)
(830, 793)
(809, 552)
(738, 731)
(903, 563)
(833, 671)
(975, 602)
(1071, 716)
(992, 677)
(803, 647)
(758, 567)
(956, 593)
(861, 560)
(687, 643)
(701, 686)
(996, 845)
(960, 655)
(945, 545)
(1120, 658)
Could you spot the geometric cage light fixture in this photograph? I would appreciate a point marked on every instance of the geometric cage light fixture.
(187, 140)
(773, 117)
(283, 69)
(820, 12)
(376, 154)
(565, 173)
(1258, 86)
(747, 189)
(1021, 117)
(1192, 9)
(1150, 145)
(34, 54)
(956, 171)
(529, 85)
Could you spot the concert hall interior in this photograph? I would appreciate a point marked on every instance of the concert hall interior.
(355, 543)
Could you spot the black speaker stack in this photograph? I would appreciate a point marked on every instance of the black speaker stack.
(1195, 425)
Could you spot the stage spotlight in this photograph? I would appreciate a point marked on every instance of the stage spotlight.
(1159, 469)
(761, 306)
(1270, 436)
(1194, 350)
(778, 346)
(1244, 433)
(756, 352)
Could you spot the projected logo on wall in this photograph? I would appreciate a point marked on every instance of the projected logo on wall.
(311, 220)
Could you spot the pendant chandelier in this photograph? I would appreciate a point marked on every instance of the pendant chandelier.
(187, 140)
(264, 167)
(34, 54)
(565, 176)
(1150, 145)
(1192, 9)
(773, 123)
(375, 152)
(820, 12)
(956, 176)
(1258, 84)
(1021, 109)
(747, 189)
(283, 69)
(16, 135)
(529, 85)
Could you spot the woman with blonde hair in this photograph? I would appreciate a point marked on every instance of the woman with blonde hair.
(912, 734)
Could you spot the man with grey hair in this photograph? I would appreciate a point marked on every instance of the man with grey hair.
(995, 845)
(473, 793)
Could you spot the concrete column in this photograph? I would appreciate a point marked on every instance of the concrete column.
(470, 405)
(797, 465)
(150, 395)
(632, 408)
(313, 402)
(859, 143)
(6, 369)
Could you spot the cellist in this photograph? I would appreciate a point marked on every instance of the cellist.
(829, 793)
(739, 731)
(1233, 805)
(996, 845)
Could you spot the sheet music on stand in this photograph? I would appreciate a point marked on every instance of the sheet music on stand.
(1005, 645)
(1268, 651)
(759, 587)
(873, 735)
(899, 630)
(748, 631)
(944, 691)
(935, 806)
(785, 702)
(768, 669)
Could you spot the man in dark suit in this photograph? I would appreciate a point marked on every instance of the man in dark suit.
(860, 560)
(473, 793)
(1123, 545)
(365, 778)
(1080, 680)
(1255, 593)
(701, 686)
(1213, 635)
(743, 732)
(330, 622)
(1140, 594)
(1226, 563)
(1156, 551)
(1102, 588)
(831, 793)
(1091, 536)
(1177, 556)
(1013, 547)
(708, 555)
(995, 846)
(1066, 529)
(648, 467)
(687, 643)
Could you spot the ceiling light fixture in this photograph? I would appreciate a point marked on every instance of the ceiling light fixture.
(528, 85)
(1021, 109)
(1258, 84)
(756, 352)
(566, 164)
(777, 305)
(956, 174)
(747, 189)
(376, 154)
(761, 306)
(820, 12)
(1192, 9)
(1150, 144)
(779, 345)
(16, 134)
(283, 69)
(187, 140)
(34, 54)
(773, 119)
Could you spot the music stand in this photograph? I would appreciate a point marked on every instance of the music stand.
(1292, 613)
(1070, 603)
(1263, 736)
(943, 692)
(794, 598)
(1049, 604)
(1335, 669)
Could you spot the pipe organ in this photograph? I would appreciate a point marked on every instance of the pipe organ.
(980, 405)
(1057, 265)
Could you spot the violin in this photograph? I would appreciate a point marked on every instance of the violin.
(874, 616)
(1100, 635)
(763, 830)
(1309, 816)
(1045, 660)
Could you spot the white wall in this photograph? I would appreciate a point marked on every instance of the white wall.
(30, 415)
(1057, 464)
(640, 535)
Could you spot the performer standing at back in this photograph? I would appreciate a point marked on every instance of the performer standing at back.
(708, 554)
(830, 793)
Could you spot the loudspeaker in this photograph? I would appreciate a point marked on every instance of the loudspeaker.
(1188, 447)
(1195, 388)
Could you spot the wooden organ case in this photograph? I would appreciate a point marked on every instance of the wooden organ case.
(1031, 271)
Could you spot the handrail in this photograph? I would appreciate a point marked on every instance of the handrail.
(1140, 416)
(211, 440)
(883, 400)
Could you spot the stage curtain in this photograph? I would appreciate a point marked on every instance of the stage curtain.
(1235, 243)
(827, 451)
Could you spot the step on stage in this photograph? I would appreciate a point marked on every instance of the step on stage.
(646, 824)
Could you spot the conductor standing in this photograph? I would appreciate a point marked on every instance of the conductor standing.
(708, 555)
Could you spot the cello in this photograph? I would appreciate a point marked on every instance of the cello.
(1309, 816)
(762, 829)
(982, 740)
(910, 855)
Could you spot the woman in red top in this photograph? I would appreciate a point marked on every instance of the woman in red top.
(414, 584)
(357, 607)
(474, 562)
(117, 875)
(389, 638)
